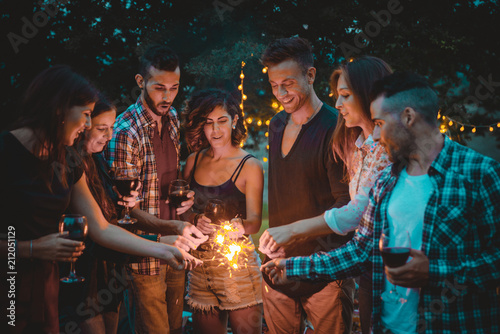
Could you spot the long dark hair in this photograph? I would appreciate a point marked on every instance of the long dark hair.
(197, 109)
(46, 102)
(360, 75)
(93, 180)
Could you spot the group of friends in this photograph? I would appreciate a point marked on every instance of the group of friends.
(338, 179)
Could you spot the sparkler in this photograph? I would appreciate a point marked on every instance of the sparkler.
(233, 251)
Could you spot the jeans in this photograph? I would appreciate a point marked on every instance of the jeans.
(329, 310)
(158, 301)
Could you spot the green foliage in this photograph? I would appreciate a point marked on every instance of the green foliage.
(451, 43)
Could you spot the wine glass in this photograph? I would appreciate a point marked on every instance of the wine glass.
(77, 228)
(126, 180)
(395, 251)
(177, 192)
(215, 210)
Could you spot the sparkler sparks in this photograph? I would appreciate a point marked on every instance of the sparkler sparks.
(233, 251)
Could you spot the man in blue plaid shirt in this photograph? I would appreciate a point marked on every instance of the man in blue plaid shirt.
(445, 196)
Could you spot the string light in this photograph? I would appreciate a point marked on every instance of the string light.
(448, 121)
(264, 70)
(240, 87)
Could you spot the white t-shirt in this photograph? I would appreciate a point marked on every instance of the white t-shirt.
(406, 213)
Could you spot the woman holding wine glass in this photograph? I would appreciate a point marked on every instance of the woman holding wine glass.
(220, 170)
(44, 179)
(364, 159)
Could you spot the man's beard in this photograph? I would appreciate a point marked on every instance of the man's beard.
(152, 106)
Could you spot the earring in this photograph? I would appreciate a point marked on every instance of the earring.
(234, 127)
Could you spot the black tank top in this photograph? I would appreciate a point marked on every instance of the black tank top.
(234, 200)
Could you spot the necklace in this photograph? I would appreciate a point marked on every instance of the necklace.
(293, 124)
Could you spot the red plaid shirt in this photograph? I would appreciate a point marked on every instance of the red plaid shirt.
(132, 145)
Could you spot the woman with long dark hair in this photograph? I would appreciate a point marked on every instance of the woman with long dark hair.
(42, 178)
(364, 159)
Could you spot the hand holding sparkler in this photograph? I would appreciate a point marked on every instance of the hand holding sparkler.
(178, 241)
(193, 234)
(276, 270)
(190, 262)
(280, 252)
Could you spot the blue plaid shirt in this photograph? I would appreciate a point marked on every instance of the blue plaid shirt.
(132, 145)
(461, 238)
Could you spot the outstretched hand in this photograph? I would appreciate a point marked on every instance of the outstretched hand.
(274, 237)
(179, 259)
(193, 234)
(276, 270)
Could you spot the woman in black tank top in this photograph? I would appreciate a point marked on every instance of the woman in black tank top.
(220, 169)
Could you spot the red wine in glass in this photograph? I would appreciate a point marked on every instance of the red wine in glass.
(395, 251)
(395, 256)
(126, 185)
(214, 210)
(177, 192)
(77, 228)
(176, 197)
(126, 180)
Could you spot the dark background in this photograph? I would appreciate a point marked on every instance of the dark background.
(454, 44)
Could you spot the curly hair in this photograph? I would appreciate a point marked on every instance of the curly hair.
(197, 109)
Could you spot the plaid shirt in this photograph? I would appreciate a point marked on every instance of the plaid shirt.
(132, 145)
(461, 238)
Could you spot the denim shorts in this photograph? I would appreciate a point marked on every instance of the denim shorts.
(213, 285)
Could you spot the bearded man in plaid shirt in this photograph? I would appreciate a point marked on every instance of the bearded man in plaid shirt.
(146, 136)
(446, 197)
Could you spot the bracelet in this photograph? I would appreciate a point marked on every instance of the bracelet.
(195, 220)
(31, 249)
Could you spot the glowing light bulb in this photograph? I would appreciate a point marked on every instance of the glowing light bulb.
(242, 76)
(268, 121)
(266, 134)
(244, 97)
(264, 159)
(259, 123)
(491, 129)
(474, 130)
(462, 128)
(249, 120)
(451, 123)
(264, 70)
(240, 87)
(275, 105)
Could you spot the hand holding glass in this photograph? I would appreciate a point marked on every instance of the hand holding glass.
(395, 251)
(126, 180)
(77, 228)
